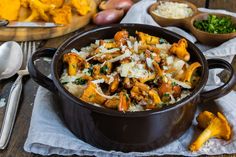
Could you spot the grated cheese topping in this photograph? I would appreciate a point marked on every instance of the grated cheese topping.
(173, 10)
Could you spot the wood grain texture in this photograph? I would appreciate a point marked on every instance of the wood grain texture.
(229, 5)
(28, 34)
(198, 3)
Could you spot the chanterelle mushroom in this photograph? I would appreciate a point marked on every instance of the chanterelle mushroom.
(215, 126)
(91, 94)
(39, 10)
(190, 72)
(205, 119)
(148, 39)
(72, 59)
(180, 49)
(124, 102)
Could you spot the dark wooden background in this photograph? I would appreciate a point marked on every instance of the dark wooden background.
(217, 4)
(19, 135)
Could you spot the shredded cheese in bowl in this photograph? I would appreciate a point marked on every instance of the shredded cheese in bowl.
(173, 10)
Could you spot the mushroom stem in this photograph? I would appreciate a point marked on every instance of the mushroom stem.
(204, 136)
(218, 127)
(124, 104)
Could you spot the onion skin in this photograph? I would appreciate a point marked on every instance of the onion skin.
(108, 16)
(116, 4)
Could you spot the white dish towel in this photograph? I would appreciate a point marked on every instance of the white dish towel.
(48, 135)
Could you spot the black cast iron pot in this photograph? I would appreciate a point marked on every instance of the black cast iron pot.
(136, 131)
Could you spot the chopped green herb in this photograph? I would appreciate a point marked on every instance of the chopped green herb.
(64, 83)
(127, 97)
(173, 84)
(216, 25)
(166, 94)
(104, 69)
(91, 96)
(90, 71)
(80, 81)
(166, 97)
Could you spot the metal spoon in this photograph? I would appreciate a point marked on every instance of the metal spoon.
(11, 57)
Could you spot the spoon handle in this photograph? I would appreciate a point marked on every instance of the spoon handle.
(10, 113)
(3, 22)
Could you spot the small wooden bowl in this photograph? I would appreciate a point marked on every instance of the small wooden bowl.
(210, 38)
(187, 23)
(168, 21)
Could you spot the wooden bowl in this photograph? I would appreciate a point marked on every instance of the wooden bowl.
(162, 21)
(210, 38)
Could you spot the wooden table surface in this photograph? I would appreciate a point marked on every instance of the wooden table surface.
(19, 134)
(20, 131)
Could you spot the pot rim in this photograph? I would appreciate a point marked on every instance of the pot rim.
(195, 93)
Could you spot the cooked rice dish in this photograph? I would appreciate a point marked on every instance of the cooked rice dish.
(130, 73)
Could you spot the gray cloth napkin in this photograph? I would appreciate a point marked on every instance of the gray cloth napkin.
(48, 135)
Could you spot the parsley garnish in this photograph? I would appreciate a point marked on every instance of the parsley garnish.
(90, 71)
(216, 25)
(166, 94)
(104, 69)
(80, 81)
(173, 84)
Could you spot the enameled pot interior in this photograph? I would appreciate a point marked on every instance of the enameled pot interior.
(88, 37)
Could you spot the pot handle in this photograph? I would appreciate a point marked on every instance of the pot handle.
(35, 74)
(226, 87)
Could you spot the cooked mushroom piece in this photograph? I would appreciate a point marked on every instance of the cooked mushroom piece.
(180, 50)
(127, 83)
(148, 78)
(112, 103)
(114, 85)
(157, 69)
(121, 36)
(72, 59)
(143, 87)
(124, 101)
(190, 71)
(91, 94)
(164, 88)
(136, 93)
(155, 99)
(148, 39)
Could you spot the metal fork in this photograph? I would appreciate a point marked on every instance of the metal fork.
(14, 96)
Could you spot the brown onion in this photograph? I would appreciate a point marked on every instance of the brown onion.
(108, 16)
(116, 4)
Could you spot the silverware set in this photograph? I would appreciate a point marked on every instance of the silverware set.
(13, 100)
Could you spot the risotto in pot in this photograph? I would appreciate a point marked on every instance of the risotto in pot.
(130, 73)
